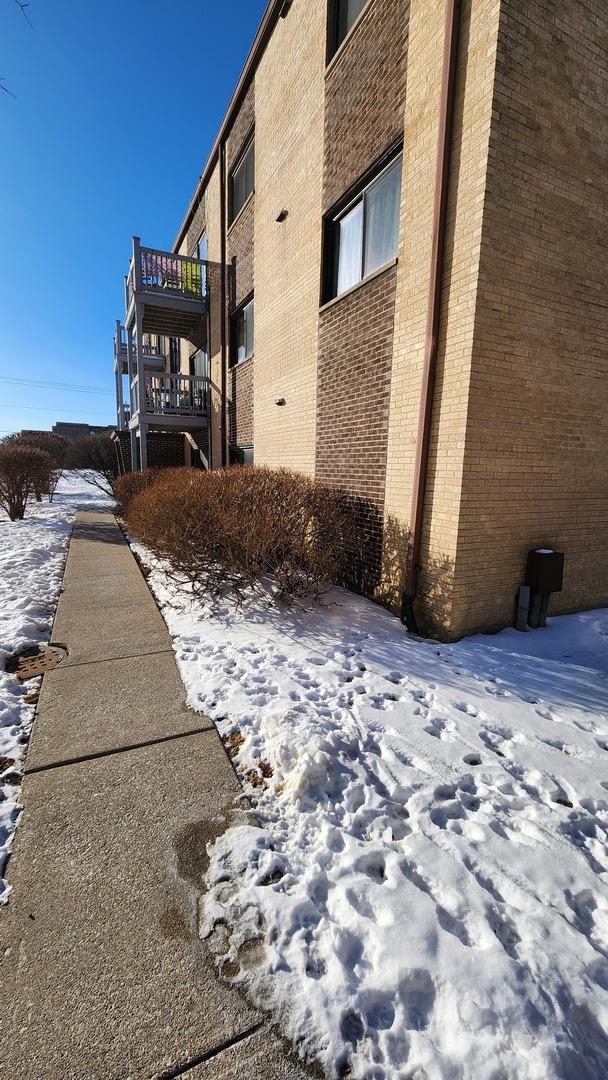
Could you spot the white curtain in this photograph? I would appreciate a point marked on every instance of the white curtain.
(350, 249)
(382, 219)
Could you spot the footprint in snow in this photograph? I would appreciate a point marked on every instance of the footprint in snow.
(384, 701)
(439, 728)
(466, 707)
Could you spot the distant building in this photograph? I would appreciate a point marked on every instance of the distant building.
(80, 431)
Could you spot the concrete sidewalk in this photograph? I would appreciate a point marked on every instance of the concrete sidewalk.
(103, 973)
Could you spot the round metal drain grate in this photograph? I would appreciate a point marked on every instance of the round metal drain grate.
(35, 660)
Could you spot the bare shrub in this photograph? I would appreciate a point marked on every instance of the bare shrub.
(127, 486)
(97, 459)
(226, 531)
(23, 470)
(53, 445)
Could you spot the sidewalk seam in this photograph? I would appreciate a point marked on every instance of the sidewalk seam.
(117, 750)
(108, 659)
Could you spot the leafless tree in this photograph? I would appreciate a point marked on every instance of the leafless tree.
(23, 469)
(23, 9)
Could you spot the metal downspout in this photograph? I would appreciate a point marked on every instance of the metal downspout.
(222, 156)
(442, 177)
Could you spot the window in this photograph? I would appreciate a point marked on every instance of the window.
(199, 366)
(241, 455)
(365, 235)
(344, 15)
(174, 356)
(201, 247)
(242, 334)
(241, 181)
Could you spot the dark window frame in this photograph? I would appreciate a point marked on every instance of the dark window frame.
(175, 359)
(237, 455)
(249, 145)
(340, 210)
(336, 35)
(249, 302)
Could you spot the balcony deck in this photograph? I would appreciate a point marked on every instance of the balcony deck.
(171, 401)
(169, 291)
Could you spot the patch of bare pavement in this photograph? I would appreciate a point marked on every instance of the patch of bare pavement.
(103, 972)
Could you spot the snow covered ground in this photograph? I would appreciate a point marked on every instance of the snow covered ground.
(421, 887)
(32, 556)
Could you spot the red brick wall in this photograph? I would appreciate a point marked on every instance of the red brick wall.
(197, 226)
(239, 250)
(240, 405)
(353, 393)
(165, 449)
(365, 96)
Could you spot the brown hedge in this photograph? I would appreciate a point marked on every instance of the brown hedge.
(233, 530)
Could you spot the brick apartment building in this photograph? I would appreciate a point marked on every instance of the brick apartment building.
(398, 245)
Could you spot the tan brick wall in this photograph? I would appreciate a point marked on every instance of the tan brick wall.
(365, 95)
(289, 156)
(535, 459)
(468, 165)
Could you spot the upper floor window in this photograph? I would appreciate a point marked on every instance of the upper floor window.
(201, 247)
(344, 14)
(365, 235)
(242, 181)
(242, 334)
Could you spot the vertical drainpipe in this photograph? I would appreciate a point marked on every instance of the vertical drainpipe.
(442, 177)
(222, 156)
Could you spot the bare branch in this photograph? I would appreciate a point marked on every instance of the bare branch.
(23, 7)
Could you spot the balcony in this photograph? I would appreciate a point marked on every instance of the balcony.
(167, 293)
(153, 359)
(171, 401)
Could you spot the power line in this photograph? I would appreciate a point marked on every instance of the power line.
(39, 408)
(76, 388)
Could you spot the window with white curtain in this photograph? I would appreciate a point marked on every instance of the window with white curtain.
(365, 236)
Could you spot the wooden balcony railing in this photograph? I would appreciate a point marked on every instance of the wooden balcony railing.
(151, 270)
(177, 395)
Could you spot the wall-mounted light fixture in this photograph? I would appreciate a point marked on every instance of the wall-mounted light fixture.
(282, 215)
(279, 400)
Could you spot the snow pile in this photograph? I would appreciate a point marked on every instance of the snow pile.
(421, 889)
(32, 556)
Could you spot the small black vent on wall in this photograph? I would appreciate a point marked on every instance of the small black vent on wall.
(285, 6)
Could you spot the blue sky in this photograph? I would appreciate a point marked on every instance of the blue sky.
(116, 107)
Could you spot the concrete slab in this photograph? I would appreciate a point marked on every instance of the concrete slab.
(103, 973)
(95, 708)
(116, 561)
(117, 588)
(129, 628)
(263, 1056)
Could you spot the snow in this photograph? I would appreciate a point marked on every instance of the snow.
(32, 556)
(419, 887)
